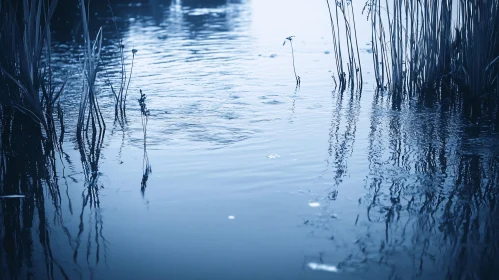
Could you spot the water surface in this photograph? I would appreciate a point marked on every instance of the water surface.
(253, 178)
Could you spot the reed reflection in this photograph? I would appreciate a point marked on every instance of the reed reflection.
(27, 173)
(95, 243)
(146, 167)
(341, 137)
(430, 198)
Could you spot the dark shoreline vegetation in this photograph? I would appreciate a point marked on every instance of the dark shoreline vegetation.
(33, 129)
(441, 54)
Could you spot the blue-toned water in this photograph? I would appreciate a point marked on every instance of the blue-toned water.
(249, 177)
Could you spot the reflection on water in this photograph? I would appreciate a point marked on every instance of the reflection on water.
(324, 185)
(430, 200)
(146, 167)
(90, 245)
(30, 198)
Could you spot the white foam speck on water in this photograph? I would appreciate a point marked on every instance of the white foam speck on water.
(323, 267)
(274, 155)
(13, 196)
(231, 217)
(314, 204)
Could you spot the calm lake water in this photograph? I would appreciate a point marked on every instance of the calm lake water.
(252, 178)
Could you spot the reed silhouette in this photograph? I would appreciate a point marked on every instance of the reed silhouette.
(89, 112)
(344, 19)
(26, 66)
(438, 51)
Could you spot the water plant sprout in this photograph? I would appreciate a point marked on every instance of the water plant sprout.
(120, 94)
(290, 39)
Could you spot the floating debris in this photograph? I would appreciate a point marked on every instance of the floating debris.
(231, 217)
(13, 196)
(323, 267)
(274, 155)
(314, 204)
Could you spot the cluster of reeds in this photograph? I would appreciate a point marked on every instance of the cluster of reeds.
(28, 101)
(342, 18)
(25, 66)
(89, 144)
(28, 96)
(29, 109)
(438, 49)
(89, 112)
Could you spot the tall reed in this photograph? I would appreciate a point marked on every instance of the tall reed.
(343, 19)
(89, 111)
(439, 49)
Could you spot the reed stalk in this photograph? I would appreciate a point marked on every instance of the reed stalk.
(343, 19)
(438, 50)
(290, 39)
(89, 111)
(121, 92)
